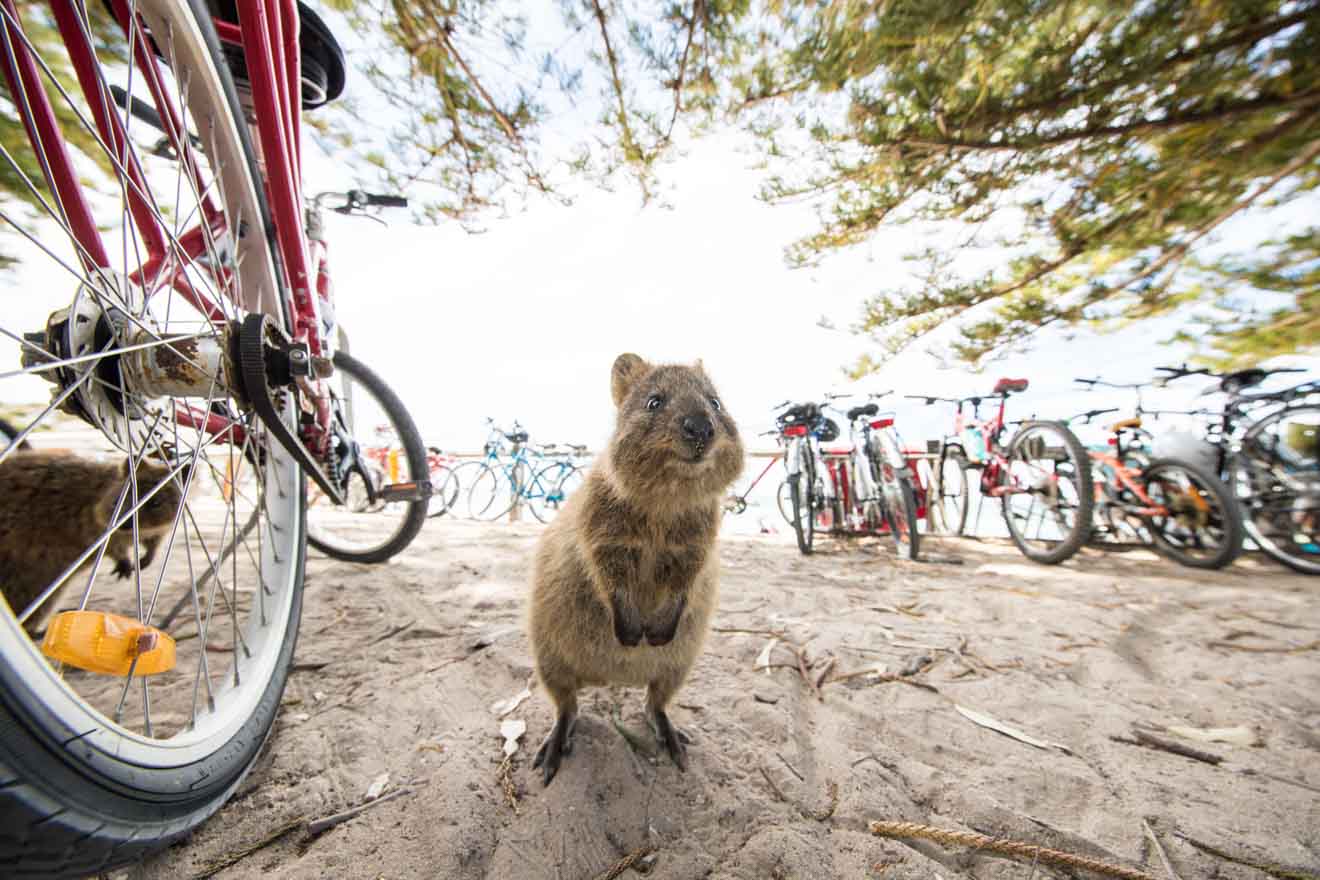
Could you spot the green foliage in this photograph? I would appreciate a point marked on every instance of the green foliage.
(1111, 138)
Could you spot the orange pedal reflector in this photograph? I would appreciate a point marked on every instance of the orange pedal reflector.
(108, 644)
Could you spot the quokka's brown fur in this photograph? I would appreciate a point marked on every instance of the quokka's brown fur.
(626, 577)
(54, 505)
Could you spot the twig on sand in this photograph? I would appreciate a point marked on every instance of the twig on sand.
(806, 676)
(882, 678)
(1159, 850)
(1257, 649)
(1142, 738)
(1000, 846)
(1284, 872)
(505, 774)
(791, 768)
(623, 864)
(320, 826)
(820, 679)
(770, 781)
(394, 631)
(237, 856)
(832, 788)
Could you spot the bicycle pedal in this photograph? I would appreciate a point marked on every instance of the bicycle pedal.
(108, 644)
(404, 492)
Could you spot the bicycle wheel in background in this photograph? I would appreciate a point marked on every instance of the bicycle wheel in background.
(950, 492)
(7, 434)
(1203, 526)
(444, 486)
(900, 510)
(802, 494)
(495, 489)
(1275, 474)
(98, 769)
(550, 487)
(371, 529)
(1049, 495)
(456, 485)
(784, 501)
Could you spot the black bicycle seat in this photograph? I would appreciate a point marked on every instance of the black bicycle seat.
(802, 413)
(520, 437)
(858, 411)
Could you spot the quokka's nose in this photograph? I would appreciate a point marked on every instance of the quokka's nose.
(698, 429)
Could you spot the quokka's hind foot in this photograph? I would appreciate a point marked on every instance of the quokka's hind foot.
(556, 746)
(671, 738)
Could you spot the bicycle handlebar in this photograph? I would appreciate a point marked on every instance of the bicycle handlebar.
(1097, 382)
(1091, 414)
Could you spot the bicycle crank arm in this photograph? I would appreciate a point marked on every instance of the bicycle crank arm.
(266, 357)
(404, 491)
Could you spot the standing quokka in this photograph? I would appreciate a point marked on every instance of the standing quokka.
(54, 505)
(626, 577)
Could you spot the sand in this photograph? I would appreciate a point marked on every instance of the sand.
(399, 665)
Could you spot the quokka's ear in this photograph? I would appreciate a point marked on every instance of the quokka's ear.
(628, 368)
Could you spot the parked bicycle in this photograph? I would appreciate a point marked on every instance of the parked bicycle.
(1266, 446)
(804, 427)
(179, 304)
(876, 485)
(1041, 475)
(1184, 512)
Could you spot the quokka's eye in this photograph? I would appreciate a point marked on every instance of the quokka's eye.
(715, 402)
(655, 401)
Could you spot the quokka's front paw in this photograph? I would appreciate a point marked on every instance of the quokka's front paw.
(627, 625)
(123, 569)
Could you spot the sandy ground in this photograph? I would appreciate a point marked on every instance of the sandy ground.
(399, 667)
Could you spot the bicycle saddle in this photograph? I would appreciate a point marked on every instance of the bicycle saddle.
(1125, 424)
(801, 413)
(858, 411)
(1008, 386)
(520, 437)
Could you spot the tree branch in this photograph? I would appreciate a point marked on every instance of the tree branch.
(698, 11)
(1174, 120)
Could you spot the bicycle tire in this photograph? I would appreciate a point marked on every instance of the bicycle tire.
(77, 794)
(900, 512)
(1268, 507)
(494, 491)
(804, 516)
(784, 501)
(1080, 529)
(557, 486)
(411, 440)
(952, 523)
(1230, 514)
(440, 499)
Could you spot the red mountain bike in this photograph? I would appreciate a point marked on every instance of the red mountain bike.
(1041, 475)
(175, 293)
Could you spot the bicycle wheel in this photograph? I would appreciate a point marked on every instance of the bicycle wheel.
(900, 510)
(950, 492)
(802, 494)
(1048, 492)
(365, 529)
(200, 512)
(550, 487)
(784, 501)
(1274, 477)
(444, 488)
(1203, 525)
(495, 489)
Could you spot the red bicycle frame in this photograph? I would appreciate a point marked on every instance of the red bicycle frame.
(268, 34)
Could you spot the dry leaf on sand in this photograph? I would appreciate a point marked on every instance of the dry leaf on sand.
(1241, 735)
(1000, 727)
(512, 730)
(763, 661)
(504, 707)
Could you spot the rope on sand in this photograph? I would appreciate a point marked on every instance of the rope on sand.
(627, 862)
(1012, 848)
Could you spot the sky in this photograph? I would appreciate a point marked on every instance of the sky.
(523, 321)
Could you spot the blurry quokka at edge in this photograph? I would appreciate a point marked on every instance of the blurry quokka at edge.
(54, 505)
(626, 577)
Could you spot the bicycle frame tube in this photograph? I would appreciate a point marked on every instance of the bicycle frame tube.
(1125, 476)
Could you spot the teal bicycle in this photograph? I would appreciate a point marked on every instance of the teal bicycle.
(540, 479)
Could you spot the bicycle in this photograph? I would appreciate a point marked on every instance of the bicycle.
(197, 331)
(736, 503)
(948, 493)
(1041, 476)
(1266, 447)
(549, 487)
(1181, 510)
(877, 485)
(444, 485)
(804, 427)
